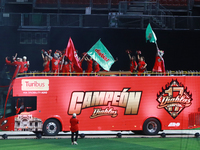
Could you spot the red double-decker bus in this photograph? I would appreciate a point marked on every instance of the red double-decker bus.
(106, 101)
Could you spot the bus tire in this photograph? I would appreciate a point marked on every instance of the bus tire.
(119, 135)
(4, 136)
(38, 135)
(82, 135)
(51, 127)
(151, 126)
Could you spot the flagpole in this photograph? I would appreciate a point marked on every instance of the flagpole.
(156, 45)
(62, 62)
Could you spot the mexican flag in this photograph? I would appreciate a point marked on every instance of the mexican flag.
(150, 35)
(101, 55)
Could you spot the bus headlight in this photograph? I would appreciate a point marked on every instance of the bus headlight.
(4, 122)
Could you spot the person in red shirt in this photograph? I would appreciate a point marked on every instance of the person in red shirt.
(96, 67)
(133, 63)
(89, 65)
(67, 66)
(46, 61)
(159, 65)
(55, 61)
(141, 65)
(79, 70)
(74, 129)
(17, 62)
(26, 64)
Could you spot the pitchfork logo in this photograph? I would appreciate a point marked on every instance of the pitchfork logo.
(174, 98)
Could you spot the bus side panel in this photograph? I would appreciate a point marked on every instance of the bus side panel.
(113, 103)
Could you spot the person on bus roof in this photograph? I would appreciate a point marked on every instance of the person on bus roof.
(141, 64)
(26, 64)
(89, 65)
(133, 63)
(15, 62)
(55, 61)
(159, 65)
(46, 61)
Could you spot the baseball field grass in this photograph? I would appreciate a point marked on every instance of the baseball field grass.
(102, 144)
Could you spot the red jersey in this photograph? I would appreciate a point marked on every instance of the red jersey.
(55, 64)
(67, 68)
(25, 65)
(133, 64)
(141, 65)
(96, 67)
(74, 124)
(21, 64)
(46, 66)
(89, 67)
(159, 65)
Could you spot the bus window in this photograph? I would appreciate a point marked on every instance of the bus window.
(25, 104)
(16, 105)
(10, 106)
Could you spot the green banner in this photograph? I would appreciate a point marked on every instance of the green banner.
(101, 55)
(150, 35)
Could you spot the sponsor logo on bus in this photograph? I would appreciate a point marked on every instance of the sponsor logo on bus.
(174, 98)
(35, 85)
(129, 100)
(174, 124)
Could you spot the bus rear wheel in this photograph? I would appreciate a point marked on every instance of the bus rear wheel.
(151, 126)
(51, 127)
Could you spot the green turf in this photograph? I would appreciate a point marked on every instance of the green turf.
(103, 144)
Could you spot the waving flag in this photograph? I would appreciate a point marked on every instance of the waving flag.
(150, 35)
(101, 55)
(71, 54)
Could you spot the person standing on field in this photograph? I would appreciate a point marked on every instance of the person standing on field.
(74, 129)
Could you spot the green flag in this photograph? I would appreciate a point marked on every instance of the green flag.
(101, 55)
(150, 35)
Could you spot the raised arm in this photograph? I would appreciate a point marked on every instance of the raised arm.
(42, 56)
(138, 56)
(49, 56)
(129, 56)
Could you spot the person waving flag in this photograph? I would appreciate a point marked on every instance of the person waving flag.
(159, 65)
(101, 55)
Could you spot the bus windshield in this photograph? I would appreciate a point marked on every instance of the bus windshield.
(6, 75)
(3, 93)
(14, 105)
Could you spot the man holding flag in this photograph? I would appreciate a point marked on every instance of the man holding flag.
(159, 65)
(101, 55)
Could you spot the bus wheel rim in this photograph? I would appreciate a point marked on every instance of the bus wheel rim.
(51, 127)
(152, 126)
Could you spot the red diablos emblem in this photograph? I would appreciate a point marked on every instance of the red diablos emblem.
(174, 98)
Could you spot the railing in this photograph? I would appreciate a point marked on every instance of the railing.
(115, 73)
(97, 21)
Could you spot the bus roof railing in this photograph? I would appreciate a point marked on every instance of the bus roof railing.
(114, 73)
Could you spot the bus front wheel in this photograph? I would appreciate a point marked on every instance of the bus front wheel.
(51, 127)
(151, 126)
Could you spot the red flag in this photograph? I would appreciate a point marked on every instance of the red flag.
(71, 54)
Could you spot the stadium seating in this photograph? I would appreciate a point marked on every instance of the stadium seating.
(75, 2)
(173, 2)
(46, 1)
(78, 2)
